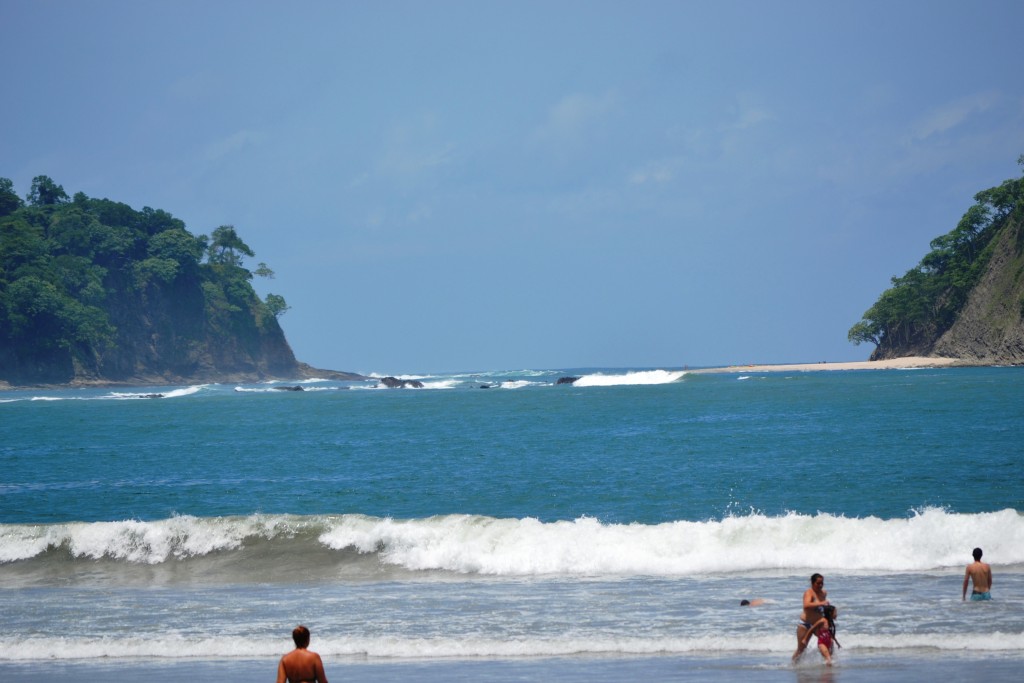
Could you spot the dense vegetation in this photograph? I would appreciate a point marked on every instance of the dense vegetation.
(920, 306)
(92, 287)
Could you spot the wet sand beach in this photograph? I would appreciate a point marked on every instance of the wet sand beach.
(850, 668)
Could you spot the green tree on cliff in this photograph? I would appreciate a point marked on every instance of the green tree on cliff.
(227, 248)
(93, 285)
(925, 302)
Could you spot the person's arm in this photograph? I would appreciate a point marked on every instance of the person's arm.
(321, 677)
(814, 629)
(988, 575)
(282, 677)
(967, 576)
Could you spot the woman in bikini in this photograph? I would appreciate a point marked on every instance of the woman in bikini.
(814, 598)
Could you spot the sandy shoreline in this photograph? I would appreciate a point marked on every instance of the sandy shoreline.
(892, 364)
(851, 667)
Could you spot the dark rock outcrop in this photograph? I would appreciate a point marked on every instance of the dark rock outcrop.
(395, 383)
(566, 380)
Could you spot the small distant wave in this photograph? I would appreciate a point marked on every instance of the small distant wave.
(521, 383)
(155, 392)
(174, 393)
(439, 383)
(638, 377)
(467, 544)
(280, 390)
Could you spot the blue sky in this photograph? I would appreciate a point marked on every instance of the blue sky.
(444, 186)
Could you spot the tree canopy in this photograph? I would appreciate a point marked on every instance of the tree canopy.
(925, 301)
(227, 248)
(71, 268)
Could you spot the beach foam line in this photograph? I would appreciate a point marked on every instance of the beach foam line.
(175, 646)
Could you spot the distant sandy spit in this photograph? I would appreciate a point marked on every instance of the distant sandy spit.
(892, 364)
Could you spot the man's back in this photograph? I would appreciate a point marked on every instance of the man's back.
(981, 576)
(301, 666)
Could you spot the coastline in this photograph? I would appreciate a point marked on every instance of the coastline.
(303, 371)
(910, 362)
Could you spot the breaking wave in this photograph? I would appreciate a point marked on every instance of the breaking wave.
(464, 544)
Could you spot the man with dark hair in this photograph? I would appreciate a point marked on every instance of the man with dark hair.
(979, 574)
(301, 665)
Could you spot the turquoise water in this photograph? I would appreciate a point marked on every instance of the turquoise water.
(623, 516)
(702, 447)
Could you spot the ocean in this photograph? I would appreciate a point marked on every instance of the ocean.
(499, 526)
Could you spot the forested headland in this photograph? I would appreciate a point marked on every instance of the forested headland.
(92, 290)
(965, 299)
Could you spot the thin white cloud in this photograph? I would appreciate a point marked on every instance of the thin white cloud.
(571, 117)
(656, 172)
(232, 144)
(412, 148)
(406, 161)
(748, 118)
(953, 114)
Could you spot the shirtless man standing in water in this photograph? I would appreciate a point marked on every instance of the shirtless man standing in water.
(980, 574)
(814, 597)
(300, 665)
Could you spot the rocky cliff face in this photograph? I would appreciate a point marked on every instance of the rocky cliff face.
(990, 327)
(165, 336)
(170, 334)
(965, 298)
(171, 339)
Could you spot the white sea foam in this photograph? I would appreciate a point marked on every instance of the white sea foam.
(929, 540)
(519, 384)
(143, 542)
(639, 377)
(173, 393)
(439, 384)
(185, 391)
(395, 647)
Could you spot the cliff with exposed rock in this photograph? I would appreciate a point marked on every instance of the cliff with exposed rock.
(965, 299)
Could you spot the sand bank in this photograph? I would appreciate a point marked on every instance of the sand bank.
(892, 364)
